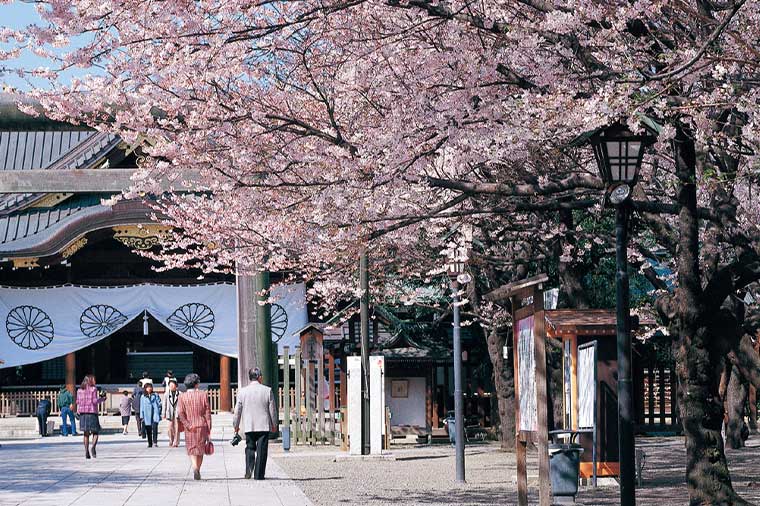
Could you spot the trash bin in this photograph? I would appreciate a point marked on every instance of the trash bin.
(286, 438)
(564, 468)
(451, 426)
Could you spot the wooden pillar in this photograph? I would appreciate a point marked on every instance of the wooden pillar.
(343, 405)
(246, 306)
(266, 352)
(297, 404)
(521, 454)
(320, 390)
(445, 390)
(434, 386)
(71, 372)
(574, 380)
(429, 399)
(310, 431)
(539, 337)
(225, 388)
(286, 388)
(522, 471)
(331, 394)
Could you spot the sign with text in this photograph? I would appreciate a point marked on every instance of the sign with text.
(586, 385)
(526, 375)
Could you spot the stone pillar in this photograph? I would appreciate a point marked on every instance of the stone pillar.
(354, 374)
(246, 306)
(71, 372)
(225, 390)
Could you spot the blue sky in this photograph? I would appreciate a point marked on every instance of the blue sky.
(18, 15)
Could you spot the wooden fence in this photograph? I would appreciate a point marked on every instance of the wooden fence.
(311, 410)
(309, 400)
(657, 399)
(214, 398)
(24, 402)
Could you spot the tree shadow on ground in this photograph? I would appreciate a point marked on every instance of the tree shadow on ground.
(664, 476)
(465, 496)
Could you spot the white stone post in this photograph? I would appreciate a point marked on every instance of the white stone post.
(355, 405)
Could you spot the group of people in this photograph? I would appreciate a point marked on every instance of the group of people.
(189, 412)
(149, 409)
(65, 404)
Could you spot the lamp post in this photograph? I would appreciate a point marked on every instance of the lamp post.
(618, 154)
(457, 276)
(364, 334)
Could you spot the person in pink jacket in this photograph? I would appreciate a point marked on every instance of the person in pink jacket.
(88, 400)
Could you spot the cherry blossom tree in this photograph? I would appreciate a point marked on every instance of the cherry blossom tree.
(316, 130)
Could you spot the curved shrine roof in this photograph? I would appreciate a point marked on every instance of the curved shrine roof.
(38, 144)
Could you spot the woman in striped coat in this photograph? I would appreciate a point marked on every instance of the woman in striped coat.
(195, 414)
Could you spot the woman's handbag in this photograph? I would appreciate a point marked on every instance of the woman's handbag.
(209, 448)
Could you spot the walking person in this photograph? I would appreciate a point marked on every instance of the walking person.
(255, 413)
(66, 407)
(150, 412)
(125, 410)
(145, 379)
(194, 413)
(167, 378)
(43, 412)
(88, 400)
(136, 395)
(171, 400)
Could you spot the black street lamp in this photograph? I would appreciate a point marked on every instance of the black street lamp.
(619, 153)
(457, 274)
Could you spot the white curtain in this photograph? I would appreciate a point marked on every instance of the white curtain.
(44, 323)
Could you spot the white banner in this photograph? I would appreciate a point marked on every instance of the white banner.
(49, 322)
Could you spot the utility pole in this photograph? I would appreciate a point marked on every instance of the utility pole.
(364, 315)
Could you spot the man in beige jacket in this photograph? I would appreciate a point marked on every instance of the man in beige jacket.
(256, 415)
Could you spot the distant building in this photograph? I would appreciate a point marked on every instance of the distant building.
(419, 382)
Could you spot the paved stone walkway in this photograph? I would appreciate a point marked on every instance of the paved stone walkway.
(54, 471)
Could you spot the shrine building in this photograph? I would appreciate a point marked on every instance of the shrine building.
(76, 297)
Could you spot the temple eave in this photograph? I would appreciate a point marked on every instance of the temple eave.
(54, 241)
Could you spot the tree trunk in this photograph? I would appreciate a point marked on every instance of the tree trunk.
(701, 407)
(707, 476)
(504, 382)
(554, 383)
(746, 357)
(736, 399)
(570, 275)
(752, 409)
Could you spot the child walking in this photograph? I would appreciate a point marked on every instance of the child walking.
(125, 410)
(150, 412)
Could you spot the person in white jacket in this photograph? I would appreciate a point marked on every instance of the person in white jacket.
(171, 401)
(256, 415)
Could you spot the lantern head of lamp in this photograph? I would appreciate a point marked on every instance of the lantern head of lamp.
(619, 153)
(457, 260)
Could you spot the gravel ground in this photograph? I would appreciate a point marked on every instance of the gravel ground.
(425, 475)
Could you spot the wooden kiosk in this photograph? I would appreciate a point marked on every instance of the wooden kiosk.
(531, 417)
(589, 366)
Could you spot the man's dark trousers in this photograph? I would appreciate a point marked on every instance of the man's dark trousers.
(42, 417)
(256, 449)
